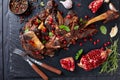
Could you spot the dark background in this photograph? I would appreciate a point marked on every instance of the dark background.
(12, 67)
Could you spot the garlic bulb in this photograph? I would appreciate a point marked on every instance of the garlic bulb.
(114, 31)
(107, 1)
(67, 4)
(112, 7)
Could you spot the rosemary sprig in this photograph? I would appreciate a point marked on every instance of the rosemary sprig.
(111, 64)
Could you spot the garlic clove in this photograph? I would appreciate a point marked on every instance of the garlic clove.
(112, 7)
(67, 4)
(114, 31)
(106, 1)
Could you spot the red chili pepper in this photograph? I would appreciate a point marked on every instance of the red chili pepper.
(95, 5)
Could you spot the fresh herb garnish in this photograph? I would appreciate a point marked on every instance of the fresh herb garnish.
(39, 21)
(76, 27)
(26, 30)
(66, 28)
(51, 34)
(42, 4)
(103, 29)
(44, 41)
(78, 54)
(111, 65)
(81, 19)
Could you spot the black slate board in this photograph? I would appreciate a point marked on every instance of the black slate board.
(19, 69)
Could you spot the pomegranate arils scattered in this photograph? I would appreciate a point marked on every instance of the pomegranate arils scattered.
(66, 48)
(78, 4)
(44, 30)
(50, 22)
(68, 16)
(85, 39)
(102, 48)
(91, 39)
(98, 40)
(37, 52)
(64, 42)
(86, 17)
(108, 43)
(81, 43)
(105, 45)
(46, 37)
(51, 19)
(94, 42)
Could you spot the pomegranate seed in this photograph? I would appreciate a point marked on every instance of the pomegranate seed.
(91, 39)
(46, 37)
(65, 48)
(85, 39)
(78, 4)
(44, 30)
(64, 42)
(50, 22)
(58, 36)
(94, 42)
(68, 16)
(98, 40)
(51, 19)
(37, 52)
(102, 48)
(105, 44)
(108, 43)
(86, 17)
(81, 44)
(52, 26)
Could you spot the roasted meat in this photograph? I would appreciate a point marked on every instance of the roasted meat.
(71, 20)
(48, 31)
(93, 59)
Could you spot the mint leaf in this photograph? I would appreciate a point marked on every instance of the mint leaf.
(81, 19)
(50, 34)
(26, 30)
(66, 28)
(103, 29)
(43, 41)
(39, 21)
(76, 27)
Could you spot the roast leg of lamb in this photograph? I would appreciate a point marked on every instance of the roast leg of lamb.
(93, 59)
(42, 34)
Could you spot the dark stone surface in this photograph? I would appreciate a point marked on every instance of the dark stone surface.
(15, 68)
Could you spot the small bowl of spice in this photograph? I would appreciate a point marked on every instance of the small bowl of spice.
(18, 6)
